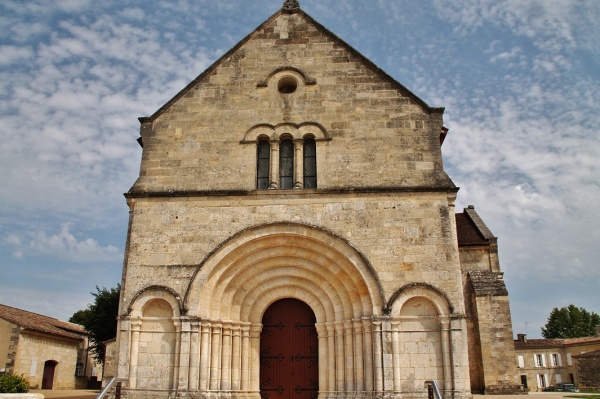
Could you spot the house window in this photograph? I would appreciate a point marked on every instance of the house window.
(286, 164)
(521, 361)
(263, 163)
(539, 361)
(79, 370)
(555, 360)
(542, 380)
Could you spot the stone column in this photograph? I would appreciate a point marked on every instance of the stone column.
(396, 355)
(331, 386)
(358, 356)
(446, 356)
(136, 325)
(226, 358)
(298, 164)
(194, 356)
(255, 330)
(274, 169)
(368, 348)
(377, 356)
(246, 354)
(204, 356)
(182, 356)
(339, 357)
(215, 358)
(235, 358)
(349, 355)
(323, 356)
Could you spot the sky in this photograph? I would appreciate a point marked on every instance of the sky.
(519, 79)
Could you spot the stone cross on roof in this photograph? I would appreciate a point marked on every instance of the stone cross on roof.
(290, 5)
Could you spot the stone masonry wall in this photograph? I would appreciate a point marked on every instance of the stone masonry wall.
(379, 136)
(399, 234)
(34, 351)
(9, 336)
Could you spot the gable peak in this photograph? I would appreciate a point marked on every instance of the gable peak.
(291, 5)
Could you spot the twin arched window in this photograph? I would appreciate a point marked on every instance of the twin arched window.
(295, 167)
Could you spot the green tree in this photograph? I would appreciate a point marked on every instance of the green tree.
(570, 322)
(100, 319)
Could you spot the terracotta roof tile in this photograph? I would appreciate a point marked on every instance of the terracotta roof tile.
(588, 355)
(557, 342)
(36, 322)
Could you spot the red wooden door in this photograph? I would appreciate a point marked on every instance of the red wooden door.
(289, 352)
(48, 377)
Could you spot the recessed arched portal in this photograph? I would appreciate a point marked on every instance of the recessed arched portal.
(289, 353)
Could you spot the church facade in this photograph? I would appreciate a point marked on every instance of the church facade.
(292, 234)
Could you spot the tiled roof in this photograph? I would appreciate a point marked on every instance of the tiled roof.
(588, 355)
(44, 324)
(555, 343)
(467, 232)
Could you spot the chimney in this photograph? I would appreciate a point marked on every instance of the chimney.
(523, 337)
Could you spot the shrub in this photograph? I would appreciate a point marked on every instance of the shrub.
(13, 384)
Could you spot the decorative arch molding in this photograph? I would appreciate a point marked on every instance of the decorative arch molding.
(259, 265)
(308, 81)
(139, 300)
(437, 297)
(297, 131)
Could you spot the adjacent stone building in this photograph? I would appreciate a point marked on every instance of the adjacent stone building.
(49, 353)
(547, 362)
(292, 234)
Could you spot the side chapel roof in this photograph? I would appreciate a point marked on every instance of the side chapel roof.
(41, 324)
(471, 230)
(293, 7)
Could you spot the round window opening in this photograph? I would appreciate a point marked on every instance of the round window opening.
(287, 85)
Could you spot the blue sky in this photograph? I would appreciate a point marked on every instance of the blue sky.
(520, 81)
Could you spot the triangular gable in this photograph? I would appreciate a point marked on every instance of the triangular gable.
(286, 9)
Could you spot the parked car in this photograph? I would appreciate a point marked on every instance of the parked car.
(562, 388)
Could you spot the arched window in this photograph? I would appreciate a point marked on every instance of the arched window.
(263, 165)
(310, 163)
(294, 168)
(286, 164)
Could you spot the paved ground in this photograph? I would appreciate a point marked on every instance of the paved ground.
(91, 394)
(70, 394)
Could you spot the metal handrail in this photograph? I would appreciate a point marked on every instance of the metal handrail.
(436, 390)
(108, 386)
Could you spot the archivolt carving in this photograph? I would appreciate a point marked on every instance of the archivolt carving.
(437, 297)
(297, 131)
(154, 292)
(257, 267)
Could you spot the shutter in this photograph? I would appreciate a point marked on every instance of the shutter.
(557, 378)
(521, 362)
(559, 360)
(569, 360)
(543, 360)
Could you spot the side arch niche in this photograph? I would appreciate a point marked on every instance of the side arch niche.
(420, 317)
(154, 339)
(234, 286)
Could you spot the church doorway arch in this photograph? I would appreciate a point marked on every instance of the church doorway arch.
(289, 366)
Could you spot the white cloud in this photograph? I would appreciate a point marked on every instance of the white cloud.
(63, 245)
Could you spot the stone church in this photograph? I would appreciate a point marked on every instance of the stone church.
(292, 235)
